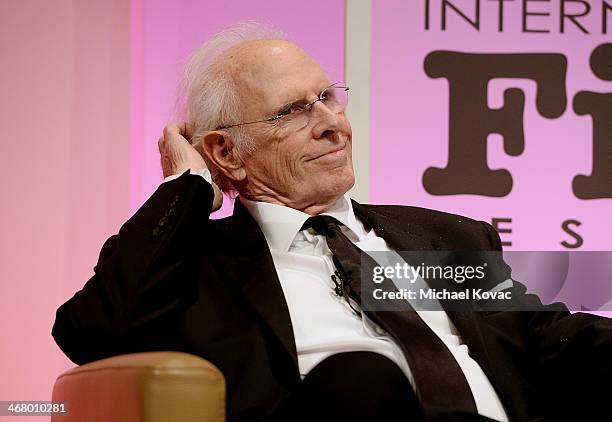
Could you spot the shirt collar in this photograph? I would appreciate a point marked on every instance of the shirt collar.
(280, 224)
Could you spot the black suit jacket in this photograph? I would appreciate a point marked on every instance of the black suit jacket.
(174, 280)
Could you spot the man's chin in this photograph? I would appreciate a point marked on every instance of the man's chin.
(336, 188)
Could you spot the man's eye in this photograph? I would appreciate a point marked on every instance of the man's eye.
(285, 111)
(327, 95)
(290, 109)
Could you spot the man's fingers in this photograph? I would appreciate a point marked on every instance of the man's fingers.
(176, 153)
(178, 133)
(188, 130)
(171, 130)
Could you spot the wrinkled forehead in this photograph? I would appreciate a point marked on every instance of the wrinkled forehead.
(270, 73)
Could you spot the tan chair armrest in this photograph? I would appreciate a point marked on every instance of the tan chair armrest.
(143, 387)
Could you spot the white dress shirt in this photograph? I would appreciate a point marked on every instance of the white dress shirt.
(323, 323)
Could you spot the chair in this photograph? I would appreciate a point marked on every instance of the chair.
(143, 387)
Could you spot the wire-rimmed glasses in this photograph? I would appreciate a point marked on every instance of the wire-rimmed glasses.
(334, 96)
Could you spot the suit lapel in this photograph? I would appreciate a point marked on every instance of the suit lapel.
(253, 275)
(402, 235)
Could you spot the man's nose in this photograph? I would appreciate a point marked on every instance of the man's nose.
(327, 121)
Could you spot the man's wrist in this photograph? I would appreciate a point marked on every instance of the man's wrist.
(205, 173)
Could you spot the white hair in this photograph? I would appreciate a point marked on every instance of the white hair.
(207, 96)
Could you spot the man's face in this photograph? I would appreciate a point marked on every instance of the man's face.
(300, 162)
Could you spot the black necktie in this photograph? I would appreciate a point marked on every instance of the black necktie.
(440, 383)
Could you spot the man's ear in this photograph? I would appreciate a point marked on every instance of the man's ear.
(219, 148)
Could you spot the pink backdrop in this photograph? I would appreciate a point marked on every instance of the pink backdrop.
(87, 90)
(410, 115)
(64, 117)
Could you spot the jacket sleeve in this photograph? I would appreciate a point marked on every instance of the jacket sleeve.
(571, 352)
(141, 283)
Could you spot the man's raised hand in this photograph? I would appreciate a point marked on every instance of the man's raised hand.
(177, 155)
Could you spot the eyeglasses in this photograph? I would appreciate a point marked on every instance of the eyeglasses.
(335, 98)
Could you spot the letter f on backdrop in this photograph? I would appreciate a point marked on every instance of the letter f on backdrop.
(471, 119)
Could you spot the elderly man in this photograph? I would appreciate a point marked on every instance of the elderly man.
(264, 294)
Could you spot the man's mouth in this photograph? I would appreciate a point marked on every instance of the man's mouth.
(338, 150)
(333, 151)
